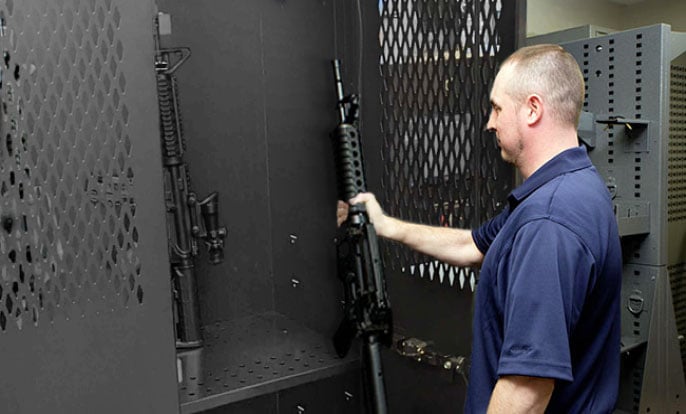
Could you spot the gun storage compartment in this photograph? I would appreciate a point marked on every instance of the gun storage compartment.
(252, 356)
(257, 102)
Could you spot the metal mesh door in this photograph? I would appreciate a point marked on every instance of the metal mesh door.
(78, 196)
(438, 60)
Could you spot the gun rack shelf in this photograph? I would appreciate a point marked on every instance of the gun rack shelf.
(254, 356)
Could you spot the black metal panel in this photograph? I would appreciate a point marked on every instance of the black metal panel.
(414, 388)
(222, 101)
(86, 322)
(265, 404)
(297, 53)
(257, 99)
(341, 394)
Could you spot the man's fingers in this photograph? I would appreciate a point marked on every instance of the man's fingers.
(361, 198)
(341, 212)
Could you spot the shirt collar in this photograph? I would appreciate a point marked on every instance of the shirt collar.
(567, 161)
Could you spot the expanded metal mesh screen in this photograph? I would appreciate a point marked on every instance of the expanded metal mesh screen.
(441, 168)
(68, 238)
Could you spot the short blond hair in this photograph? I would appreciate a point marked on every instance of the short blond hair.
(552, 72)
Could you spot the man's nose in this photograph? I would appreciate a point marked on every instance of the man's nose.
(490, 126)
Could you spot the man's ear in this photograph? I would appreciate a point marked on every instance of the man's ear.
(534, 109)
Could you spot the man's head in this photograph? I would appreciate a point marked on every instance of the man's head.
(536, 100)
(552, 73)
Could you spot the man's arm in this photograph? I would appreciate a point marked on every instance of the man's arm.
(453, 246)
(517, 394)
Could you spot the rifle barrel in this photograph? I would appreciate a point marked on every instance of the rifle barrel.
(339, 89)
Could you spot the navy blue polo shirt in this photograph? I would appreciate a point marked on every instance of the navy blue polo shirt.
(547, 300)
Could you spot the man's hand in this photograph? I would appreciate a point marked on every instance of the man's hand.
(341, 212)
(453, 246)
(374, 212)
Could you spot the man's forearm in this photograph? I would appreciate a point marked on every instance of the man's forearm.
(519, 394)
(453, 246)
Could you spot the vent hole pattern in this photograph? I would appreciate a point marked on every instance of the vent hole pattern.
(68, 238)
(584, 71)
(637, 178)
(611, 82)
(438, 59)
(639, 75)
(676, 163)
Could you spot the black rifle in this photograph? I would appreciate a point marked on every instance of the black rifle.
(367, 309)
(184, 211)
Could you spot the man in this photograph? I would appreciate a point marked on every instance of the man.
(546, 326)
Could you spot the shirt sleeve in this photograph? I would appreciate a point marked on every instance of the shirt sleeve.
(545, 281)
(485, 234)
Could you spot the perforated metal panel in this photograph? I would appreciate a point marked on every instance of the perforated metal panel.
(253, 356)
(68, 214)
(627, 88)
(625, 79)
(438, 61)
(676, 167)
(75, 275)
(676, 197)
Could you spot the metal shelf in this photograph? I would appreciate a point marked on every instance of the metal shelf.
(254, 356)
